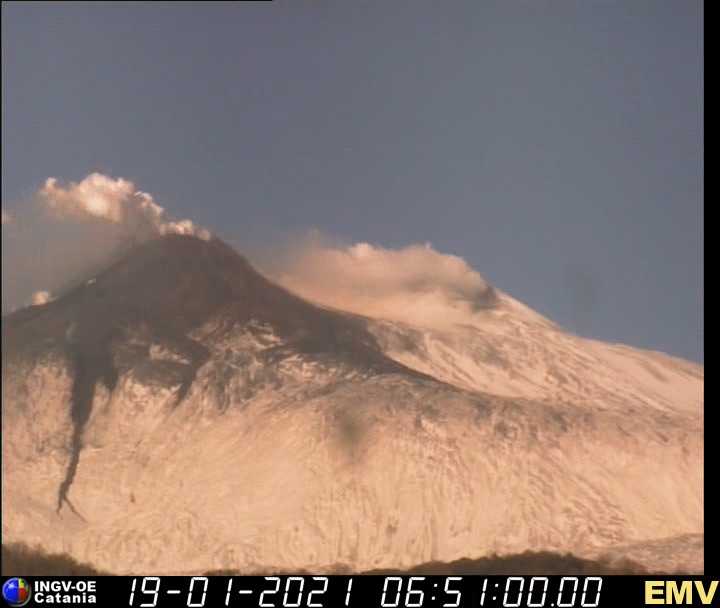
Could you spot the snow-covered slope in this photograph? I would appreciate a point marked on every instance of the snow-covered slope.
(182, 413)
(512, 351)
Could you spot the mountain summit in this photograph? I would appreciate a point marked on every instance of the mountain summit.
(180, 412)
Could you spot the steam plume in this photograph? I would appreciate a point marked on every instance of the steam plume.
(415, 283)
(41, 297)
(116, 201)
(65, 232)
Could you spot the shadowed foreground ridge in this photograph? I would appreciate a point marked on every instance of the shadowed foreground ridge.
(19, 560)
(529, 562)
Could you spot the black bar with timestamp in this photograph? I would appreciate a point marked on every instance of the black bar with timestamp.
(314, 591)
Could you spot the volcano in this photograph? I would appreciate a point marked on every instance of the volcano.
(179, 412)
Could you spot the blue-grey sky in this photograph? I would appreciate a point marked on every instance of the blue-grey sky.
(556, 146)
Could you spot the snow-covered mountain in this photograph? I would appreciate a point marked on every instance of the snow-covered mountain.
(179, 412)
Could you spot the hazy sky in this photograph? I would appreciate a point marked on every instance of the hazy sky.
(557, 146)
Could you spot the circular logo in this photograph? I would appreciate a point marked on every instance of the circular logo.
(16, 591)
